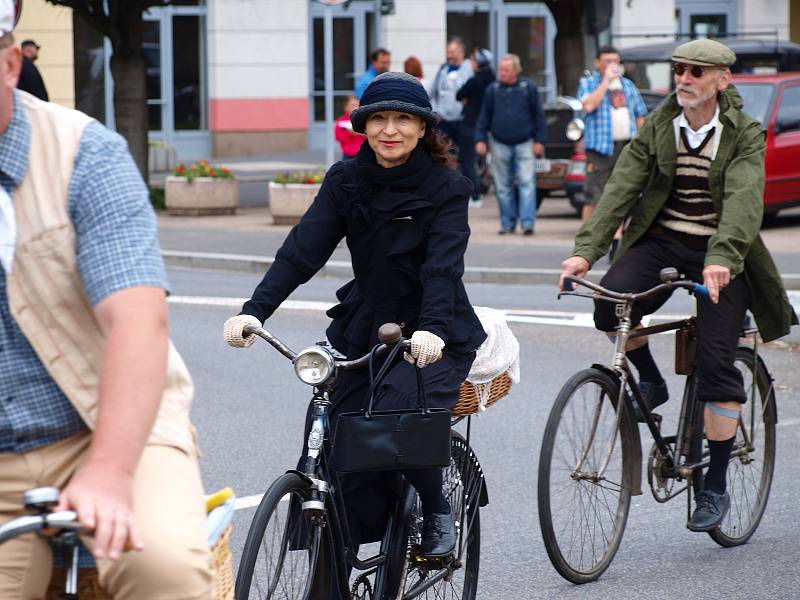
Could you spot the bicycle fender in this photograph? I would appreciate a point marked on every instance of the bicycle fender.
(633, 427)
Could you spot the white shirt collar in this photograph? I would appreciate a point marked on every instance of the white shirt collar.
(681, 121)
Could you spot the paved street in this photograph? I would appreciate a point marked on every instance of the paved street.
(249, 409)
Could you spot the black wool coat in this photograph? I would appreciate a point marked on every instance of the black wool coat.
(406, 228)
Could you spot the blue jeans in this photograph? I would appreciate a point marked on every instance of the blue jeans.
(508, 161)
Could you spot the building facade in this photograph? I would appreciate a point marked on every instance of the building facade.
(246, 77)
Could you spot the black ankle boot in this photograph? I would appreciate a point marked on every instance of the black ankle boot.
(438, 534)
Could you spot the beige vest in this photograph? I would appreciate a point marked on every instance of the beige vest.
(45, 292)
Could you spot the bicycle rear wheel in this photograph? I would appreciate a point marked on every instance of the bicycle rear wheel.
(281, 553)
(750, 475)
(464, 489)
(586, 472)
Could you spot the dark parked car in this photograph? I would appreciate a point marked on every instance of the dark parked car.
(562, 155)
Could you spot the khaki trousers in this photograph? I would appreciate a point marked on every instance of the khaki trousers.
(169, 507)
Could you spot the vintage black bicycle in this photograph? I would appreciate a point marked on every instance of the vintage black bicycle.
(591, 459)
(291, 558)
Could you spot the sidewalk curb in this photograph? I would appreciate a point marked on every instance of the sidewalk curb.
(342, 269)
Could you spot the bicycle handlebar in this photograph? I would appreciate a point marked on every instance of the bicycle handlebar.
(606, 294)
(357, 363)
(63, 520)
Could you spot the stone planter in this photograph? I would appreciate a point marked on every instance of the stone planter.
(289, 201)
(201, 196)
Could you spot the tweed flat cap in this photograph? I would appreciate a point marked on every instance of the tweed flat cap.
(706, 53)
(399, 92)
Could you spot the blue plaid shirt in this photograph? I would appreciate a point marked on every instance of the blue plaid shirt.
(597, 134)
(117, 248)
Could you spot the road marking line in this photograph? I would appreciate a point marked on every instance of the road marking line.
(247, 502)
(537, 317)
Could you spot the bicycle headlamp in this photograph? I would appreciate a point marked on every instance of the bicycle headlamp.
(314, 365)
(575, 130)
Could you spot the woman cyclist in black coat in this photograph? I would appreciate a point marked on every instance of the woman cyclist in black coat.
(402, 209)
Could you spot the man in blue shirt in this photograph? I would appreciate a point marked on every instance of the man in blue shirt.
(513, 115)
(380, 60)
(614, 111)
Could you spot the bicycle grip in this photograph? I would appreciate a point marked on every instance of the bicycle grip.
(569, 285)
(701, 290)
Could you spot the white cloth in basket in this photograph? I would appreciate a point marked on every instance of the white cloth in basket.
(498, 354)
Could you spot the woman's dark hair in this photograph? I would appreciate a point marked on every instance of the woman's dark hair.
(412, 66)
(439, 147)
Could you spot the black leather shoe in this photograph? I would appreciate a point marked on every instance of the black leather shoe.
(527, 231)
(655, 394)
(710, 509)
(506, 231)
(438, 535)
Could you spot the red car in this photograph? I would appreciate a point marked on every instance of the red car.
(774, 100)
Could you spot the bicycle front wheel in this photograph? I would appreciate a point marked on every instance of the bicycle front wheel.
(585, 477)
(281, 553)
(750, 473)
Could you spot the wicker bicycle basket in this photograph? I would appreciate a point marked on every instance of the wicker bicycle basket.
(89, 585)
(469, 402)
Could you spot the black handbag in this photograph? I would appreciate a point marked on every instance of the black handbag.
(370, 440)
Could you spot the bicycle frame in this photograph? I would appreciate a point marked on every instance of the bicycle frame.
(684, 461)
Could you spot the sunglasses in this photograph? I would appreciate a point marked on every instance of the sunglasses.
(696, 70)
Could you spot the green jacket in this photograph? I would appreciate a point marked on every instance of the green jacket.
(641, 183)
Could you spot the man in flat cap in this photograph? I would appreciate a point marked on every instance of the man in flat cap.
(30, 80)
(94, 399)
(692, 180)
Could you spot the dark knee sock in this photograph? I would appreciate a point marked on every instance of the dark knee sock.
(428, 483)
(720, 455)
(644, 363)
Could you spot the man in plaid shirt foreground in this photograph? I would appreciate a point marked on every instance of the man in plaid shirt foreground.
(94, 399)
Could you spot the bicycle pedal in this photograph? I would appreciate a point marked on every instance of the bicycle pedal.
(432, 562)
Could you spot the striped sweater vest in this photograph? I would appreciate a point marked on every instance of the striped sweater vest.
(689, 215)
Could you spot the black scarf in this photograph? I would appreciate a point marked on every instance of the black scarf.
(409, 175)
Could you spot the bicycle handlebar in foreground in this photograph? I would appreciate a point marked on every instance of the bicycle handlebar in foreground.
(62, 520)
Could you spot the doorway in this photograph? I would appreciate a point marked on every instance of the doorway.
(177, 88)
(526, 29)
(353, 40)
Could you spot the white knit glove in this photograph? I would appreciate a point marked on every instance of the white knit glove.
(426, 348)
(233, 331)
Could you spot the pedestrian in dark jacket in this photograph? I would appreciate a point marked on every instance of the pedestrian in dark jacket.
(471, 94)
(403, 212)
(30, 80)
(513, 115)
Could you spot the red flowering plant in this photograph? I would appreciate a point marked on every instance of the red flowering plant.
(201, 168)
(299, 177)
